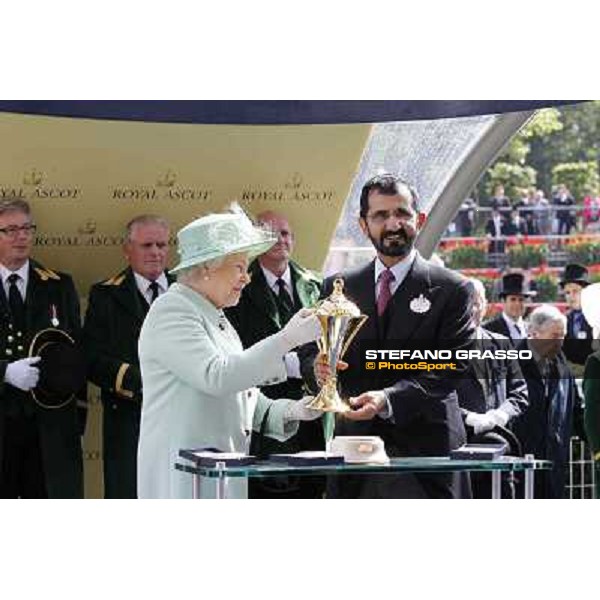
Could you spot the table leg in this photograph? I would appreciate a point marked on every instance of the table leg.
(496, 485)
(196, 479)
(221, 482)
(529, 479)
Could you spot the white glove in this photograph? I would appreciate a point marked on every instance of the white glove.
(299, 411)
(22, 374)
(480, 422)
(302, 328)
(486, 421)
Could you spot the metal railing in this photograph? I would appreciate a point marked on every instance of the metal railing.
(581, 476)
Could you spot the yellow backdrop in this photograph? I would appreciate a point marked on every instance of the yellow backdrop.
(85, 179)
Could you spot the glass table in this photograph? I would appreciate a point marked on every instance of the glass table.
(426, 464)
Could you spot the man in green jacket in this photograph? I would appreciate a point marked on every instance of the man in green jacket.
(116, 310)
(279, 287)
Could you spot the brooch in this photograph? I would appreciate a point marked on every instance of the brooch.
(420, 305)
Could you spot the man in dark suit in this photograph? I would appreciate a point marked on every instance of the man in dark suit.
(514, 294)
(408, 301)
(554, 406)
(40, 448)
(116, 310)
(578, 341)
(278, 288)
(494, 229)
(491, 394)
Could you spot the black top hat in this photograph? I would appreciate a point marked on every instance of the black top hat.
(575, 273)
(500, 435)
(514, 284)
(62, 368)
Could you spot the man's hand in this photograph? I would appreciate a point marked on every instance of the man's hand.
(323, 370)
(366, 406)
(23, 374)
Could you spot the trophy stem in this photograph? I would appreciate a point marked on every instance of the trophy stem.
(328, 399)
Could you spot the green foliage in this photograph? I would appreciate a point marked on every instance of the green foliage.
(578, 140)
(524, 257)
(542, 124)
(586, 253)
(465, 257)
(547, 288)
(513, 177)
(580, 177)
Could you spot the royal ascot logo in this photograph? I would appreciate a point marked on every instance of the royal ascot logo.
(35, 177)
(88, 228)
(294, 182)
(165, 189)
(168, 179)
(293, 190)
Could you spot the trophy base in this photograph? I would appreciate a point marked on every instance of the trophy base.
(329, 400)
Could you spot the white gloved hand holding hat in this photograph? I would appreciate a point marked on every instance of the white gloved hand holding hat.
(23, 374)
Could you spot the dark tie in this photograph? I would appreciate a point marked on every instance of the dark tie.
(15, 301)
(285, 304)
(154, 287)
(385, 293)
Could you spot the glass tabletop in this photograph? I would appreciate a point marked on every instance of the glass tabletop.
(396, 465)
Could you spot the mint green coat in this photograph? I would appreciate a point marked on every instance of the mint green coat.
(198, 391)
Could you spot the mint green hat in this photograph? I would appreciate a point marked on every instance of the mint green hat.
(218, 235)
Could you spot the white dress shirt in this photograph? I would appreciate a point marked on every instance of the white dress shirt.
(22, 282)
(518, 329)
(143, 285)
(400, 271)
(292, 362)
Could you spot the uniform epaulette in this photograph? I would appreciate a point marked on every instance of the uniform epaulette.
(115, 279)
(46, 274)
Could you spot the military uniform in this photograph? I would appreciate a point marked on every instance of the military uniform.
(114, 317)
(257, 316)
(51, 301)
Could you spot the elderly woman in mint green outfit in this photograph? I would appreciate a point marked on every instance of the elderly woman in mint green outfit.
(198, 382)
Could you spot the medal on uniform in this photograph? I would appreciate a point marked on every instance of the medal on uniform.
(54, 317)
(420, 305)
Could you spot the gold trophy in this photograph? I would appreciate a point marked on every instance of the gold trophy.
(340, 321)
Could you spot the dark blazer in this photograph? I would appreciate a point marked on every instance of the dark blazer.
(576, 348)
(545, 428)
(49, 293)
(114, 317)
(256, 317)
(426, 417)
(507, 389)
(498, 325)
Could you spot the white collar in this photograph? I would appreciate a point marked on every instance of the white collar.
(400, 269)
(23, 272)
(520, 322)
(143, 283)
(272, 278)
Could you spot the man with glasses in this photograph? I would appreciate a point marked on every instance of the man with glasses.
(116, 310)
(410, 302)
(40, 448)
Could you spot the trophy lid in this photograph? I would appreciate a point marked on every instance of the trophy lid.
(337, 305)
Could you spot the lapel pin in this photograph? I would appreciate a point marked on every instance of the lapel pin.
(420, 305)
